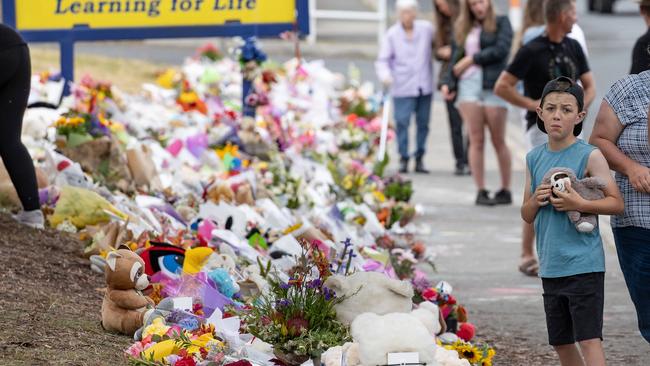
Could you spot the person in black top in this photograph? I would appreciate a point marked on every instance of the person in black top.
(641, 51)
(445, 13)
(543, 59)
(15, 80)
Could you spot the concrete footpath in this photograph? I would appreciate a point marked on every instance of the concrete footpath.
(478, 251)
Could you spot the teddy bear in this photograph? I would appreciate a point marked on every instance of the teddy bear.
(374, 338)
(376, 335)
(590, 188)
(244, 195)
(218, 192)
(125, 308)
(369, 292)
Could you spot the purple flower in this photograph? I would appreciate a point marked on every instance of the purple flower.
(329, 294)
(314, 284)
(283, 303)
(284, 286)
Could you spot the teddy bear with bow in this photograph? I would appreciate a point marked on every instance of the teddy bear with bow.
(589, 188)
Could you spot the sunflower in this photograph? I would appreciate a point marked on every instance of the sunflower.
(469, 352)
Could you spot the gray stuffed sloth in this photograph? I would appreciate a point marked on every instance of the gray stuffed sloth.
(590, 188)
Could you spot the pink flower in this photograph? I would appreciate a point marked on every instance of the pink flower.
(361, 122)
(372, 266)
(135, 349)
(390, 136)
(374, 125)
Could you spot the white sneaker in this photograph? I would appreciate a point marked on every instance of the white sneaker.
(33, 219)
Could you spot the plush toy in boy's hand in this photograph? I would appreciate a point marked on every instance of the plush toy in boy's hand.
(124, 307)
(590, 188)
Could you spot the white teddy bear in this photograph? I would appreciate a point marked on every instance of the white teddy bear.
(370, 292)
(375, 336)
(379, 335)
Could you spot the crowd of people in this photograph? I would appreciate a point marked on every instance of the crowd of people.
(543, 69)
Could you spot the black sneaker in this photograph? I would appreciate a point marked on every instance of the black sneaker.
(460, 170)
(483, 198)
(404, 166)
(503, 197)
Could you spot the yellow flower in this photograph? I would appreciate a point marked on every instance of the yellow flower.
(379, 196)
(188, 97)
(116, 127)
(347, 183)
(293, 228)
(469, 352)
(167, 79)
(103, 121)
(231, 149)
(200, 342)
(157, 327)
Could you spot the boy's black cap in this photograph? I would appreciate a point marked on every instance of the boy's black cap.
(565, 85)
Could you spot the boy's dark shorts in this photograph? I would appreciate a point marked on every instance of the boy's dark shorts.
(574, 307)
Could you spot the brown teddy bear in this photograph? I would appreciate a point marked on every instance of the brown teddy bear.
(219, 191)
(590, 188)
(125, 307)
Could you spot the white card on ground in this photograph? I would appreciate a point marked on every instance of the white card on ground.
(182, 303)
(229, 326)
(400, 358)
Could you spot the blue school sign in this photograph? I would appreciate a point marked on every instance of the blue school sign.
(69, 21)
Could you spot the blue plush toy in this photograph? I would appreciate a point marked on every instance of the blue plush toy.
(224, 282)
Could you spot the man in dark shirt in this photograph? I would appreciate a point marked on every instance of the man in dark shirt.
(545, 58)
(641, 51)
(541, 60)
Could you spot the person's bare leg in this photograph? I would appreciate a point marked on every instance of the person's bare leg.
(496, 121)
(527, 244)
(474, 118)
(569, 355)
(592, 351)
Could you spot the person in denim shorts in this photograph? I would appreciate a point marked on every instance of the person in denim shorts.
(480, 51)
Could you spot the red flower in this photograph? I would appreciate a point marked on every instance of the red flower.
(418, 249)
(352, 117)
(430, 294)
(185, 361)
(297, 325)
(451, 300)
(239, 363)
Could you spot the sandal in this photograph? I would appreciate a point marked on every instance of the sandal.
(529, 268)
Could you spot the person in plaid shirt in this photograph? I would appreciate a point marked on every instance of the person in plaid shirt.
(621, 133)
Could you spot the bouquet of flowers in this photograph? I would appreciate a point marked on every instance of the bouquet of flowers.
(78, 127)
(452, 312)
(286, 188)
(297, 316)
(398, 188)
(210, 52)
(477, 355)
(351, 138)
(175, 346)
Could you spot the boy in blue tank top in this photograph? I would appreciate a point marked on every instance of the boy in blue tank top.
(572, 264)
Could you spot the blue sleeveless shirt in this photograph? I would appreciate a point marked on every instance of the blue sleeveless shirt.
(562, 249)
